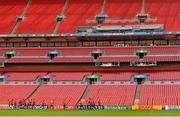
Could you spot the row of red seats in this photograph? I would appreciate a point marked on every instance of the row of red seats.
(15, 92)
(160, 94)
(60, 94)
(85, 51)
(163, 58)
(69, 76)
(123, 10)
(23, 76)
(56, 76)
(116, 76)
(78, 12)
(150, 94)
(164, 76)
(9, 10)
(41, 15)
(166, 12)
(105, 76)
(118, 58)
(112, 94)
(28, 60)
(44, 59)
(89, 59)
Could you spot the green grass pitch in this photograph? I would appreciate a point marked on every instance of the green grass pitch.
(88, 113)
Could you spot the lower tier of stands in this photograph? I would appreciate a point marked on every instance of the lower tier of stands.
(111, 94)
(15, 92)
(160, 94)
(59, 94)
(98, 94)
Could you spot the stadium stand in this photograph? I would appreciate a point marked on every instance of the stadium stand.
(32, 52)
(40, 17)
(73, 59)
(44, 58)
(155, 50)
(162, 94)
(8, 14)
(121, 50)
(167, 14)
(162, 58)
(39, 20)
(69, 76)
(30, 59)
(116, 76)
(77, 16)
(164, 76)
(23, 76)
(122, 10)
(15, 92)
(60, 94)
(117, 58)
(112, 94)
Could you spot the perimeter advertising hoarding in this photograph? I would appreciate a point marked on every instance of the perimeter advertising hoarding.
(146, 107)
(88, 107)
(116, 107)
(172, 107)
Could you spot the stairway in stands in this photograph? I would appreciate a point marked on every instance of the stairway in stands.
(137, 95)
(22, 15)
(35, 91)
(61, 14)
(85, 92)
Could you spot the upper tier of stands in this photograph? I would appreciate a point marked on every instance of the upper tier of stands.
(9, 10)
(166, 12)
(40, 16)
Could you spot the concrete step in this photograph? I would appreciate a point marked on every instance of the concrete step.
(137, 95)
(35, 91)
(23, 14)
(62, 13)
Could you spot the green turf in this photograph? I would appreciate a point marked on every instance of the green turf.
(87, 113)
